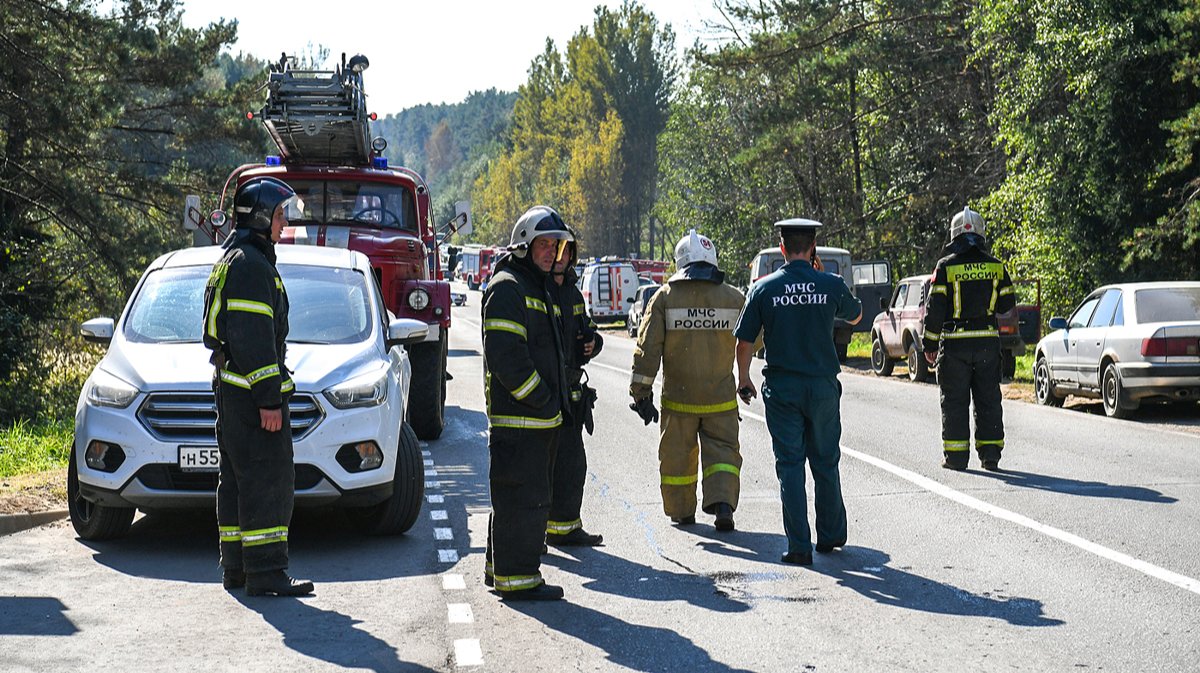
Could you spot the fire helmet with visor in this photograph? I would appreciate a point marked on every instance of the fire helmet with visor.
(256, 200)
(538, 221)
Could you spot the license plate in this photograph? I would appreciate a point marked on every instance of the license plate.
(199, 458)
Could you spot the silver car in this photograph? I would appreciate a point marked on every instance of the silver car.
(144, 424)
(637, 306)
(1125, 344)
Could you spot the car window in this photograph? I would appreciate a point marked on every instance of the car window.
(327, 305)
(1119, 313)
(914, 295)
(899, 301)
(1168, 304)
(1103, 315)
(1084, 313)
(374, 203)
(169, 306)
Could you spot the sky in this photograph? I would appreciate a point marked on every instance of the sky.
(436, 51)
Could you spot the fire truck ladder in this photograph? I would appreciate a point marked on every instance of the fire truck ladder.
(318, 116)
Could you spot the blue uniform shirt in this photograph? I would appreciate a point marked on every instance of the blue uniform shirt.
(794, 309)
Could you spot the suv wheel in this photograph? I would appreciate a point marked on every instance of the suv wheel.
(93, 521)
(881, 364)
(399, 512)
(427, 393)
(1116, 402)
(918, 368)
(1043, 388)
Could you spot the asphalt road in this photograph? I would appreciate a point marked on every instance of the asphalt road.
(1081, 555)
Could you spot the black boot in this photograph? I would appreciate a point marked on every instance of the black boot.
(724, 514)
(797, 558)
(576, 538)
(233, 579)
(278, 583)
(542, 592)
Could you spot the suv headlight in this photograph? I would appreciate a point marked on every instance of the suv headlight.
(368, 390)
(418, 299)
(106, 390)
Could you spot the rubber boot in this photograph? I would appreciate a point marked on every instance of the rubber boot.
(278, 583)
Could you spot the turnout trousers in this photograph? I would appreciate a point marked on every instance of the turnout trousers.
(570, 472)
(970, 371)
(710, 440)
(522, 465)
(804, 418)
(256, 485)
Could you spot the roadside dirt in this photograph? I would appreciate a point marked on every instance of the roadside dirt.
(36, 492)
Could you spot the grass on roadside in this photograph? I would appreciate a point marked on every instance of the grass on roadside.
(860, 347)
(35, 447)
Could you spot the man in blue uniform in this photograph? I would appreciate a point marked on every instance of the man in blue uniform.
(794, 309)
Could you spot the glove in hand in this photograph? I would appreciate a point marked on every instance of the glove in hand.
(645, 409)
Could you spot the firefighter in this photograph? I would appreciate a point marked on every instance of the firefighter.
(962, 339)
(688, 326)
(793, 309)
(245, 326)
(581, 342)
(526, 394)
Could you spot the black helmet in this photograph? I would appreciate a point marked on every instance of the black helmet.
(256, 200)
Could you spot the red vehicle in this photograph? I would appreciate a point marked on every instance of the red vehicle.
(353, 199)
(475, 265)
(653, 269)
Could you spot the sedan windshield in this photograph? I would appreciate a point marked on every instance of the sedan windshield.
(327, 305)
(1168, 304)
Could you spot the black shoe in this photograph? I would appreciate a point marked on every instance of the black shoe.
(797, 558)
(542, 592)
(724, 514)
(233, 579)
(576, 538)
(826, 547)
(278, 583)
(951, 466)
(991, 465)
(488, 580)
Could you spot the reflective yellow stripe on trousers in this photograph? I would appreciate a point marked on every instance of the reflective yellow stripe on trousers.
(261, 536)
(699, 408)
(563, 527)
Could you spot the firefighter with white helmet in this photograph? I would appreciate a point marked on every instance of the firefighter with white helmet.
(688, 327)
(962, 337)
(246, 327)
(525, 388)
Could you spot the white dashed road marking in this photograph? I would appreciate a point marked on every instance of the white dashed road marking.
(439, 515)
(443, 534)
(453, 582)
(460, 613)
(467, 652)
(435, 498)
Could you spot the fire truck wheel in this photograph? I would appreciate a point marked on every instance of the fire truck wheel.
(399, 512)
(427, 394)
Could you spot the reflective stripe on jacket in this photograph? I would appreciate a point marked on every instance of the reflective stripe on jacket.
(969, 288)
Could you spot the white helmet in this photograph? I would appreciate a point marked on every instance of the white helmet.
(694, 248)
(966, 222)
(537, 221)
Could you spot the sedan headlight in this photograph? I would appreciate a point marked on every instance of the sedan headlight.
(368, 390)
(106, 390)
(418, 299)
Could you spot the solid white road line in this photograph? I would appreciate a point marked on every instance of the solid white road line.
(467, 652)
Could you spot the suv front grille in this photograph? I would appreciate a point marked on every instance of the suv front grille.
(191, 418)
(168, 477)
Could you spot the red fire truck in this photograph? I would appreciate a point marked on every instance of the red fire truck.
(353, 199)
(475, 265)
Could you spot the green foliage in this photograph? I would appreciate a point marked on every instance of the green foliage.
(105, 123)
(33, 447)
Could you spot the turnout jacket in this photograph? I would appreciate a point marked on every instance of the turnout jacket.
(575, 322)
(246, 321)
(969, 288)
(523, 361)
(688, 326)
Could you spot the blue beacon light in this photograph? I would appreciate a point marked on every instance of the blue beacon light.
(379, 162)
(273, 160)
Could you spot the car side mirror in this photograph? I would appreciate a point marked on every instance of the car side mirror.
(1058, 322)
(405, 332)
(98, 330)
(630, 300)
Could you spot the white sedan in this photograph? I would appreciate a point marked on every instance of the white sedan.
(145, 422)
(1125, 344)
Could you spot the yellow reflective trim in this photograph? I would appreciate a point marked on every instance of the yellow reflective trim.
(557, 311)
(670, 480)
(536, 304)
(262, 373)
(287, 386)
(931, 335)
(516, 582)
(699, 408)
(261, 536)
(576, 395)
(216, 279)
(528, 387)
(721, 467)
(498, 325)
(1007, 290)
(992, 302)
(644, 380)
(229, 533)
(250, 307)
(937, 289)
(234, 379)
(579, 309)
(525, 422)
(990, 442)
(956, 446)
(971, 334)
(563, 527)
(957, 299)
(279, 284)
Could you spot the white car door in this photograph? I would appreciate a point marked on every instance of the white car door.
(1088, 341)
(1065, 363)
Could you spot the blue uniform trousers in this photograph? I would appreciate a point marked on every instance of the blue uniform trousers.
(805, 422)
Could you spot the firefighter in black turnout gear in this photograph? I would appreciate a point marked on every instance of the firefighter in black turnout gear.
(581, 342)
(527, 398)
(969, 288)
(245, 326)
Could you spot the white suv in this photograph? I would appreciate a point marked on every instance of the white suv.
(145, 421)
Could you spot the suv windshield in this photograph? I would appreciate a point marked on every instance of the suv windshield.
(374, 203)
(327, 305)
(1168, 304)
